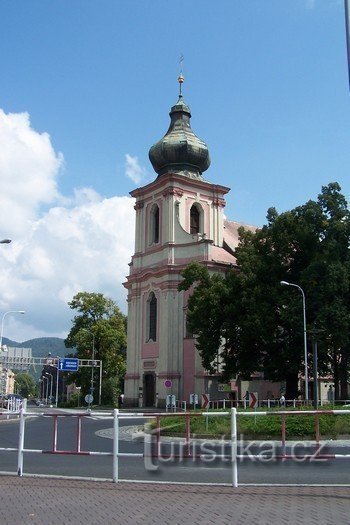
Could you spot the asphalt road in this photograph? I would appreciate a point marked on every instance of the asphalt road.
(39, 435)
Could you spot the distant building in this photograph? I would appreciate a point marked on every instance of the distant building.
(17, 358)
(12, 359)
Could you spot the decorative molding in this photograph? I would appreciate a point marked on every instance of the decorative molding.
(193, 185)
(169, 192)
(150, 364)
(220, 203)
(169, 375)
(139, 205)
(131, 376)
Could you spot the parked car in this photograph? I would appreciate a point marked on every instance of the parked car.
(14, 396)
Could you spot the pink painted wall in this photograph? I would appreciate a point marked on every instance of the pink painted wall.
(188, 368)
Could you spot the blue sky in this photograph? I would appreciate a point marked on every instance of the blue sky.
(267, 84)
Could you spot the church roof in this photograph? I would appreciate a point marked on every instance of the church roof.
(180, 150)
(231, 236)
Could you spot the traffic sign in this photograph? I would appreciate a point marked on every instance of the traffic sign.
(253, 399)
(194, 399)
(89, 398)
(205, 400)
(68, 364)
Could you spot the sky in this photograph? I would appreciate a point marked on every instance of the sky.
(85, 90)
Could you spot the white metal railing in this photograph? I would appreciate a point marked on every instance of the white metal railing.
(116, 416)
(181, 405)
(11, 407)
(271, 403)
(284, 413)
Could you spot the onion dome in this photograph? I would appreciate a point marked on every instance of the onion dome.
(180, 150)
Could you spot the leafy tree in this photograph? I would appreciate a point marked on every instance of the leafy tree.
(26, 385)
(99, 324)
(249, 322)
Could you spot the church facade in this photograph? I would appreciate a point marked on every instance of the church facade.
(179, 219)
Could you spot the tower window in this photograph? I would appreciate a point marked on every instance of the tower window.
(154, 225)
(194, 219)
(152, 317)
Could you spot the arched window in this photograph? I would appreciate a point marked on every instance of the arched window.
(194, 219)
(152, 317)
(154, 225)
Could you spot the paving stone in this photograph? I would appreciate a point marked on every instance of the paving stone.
(36, 501)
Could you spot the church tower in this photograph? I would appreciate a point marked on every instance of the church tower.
(179, 219)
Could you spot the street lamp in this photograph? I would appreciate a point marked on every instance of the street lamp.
(47, 387)
(286, 283)
(2, 322)
(93, 363)
(51, 381)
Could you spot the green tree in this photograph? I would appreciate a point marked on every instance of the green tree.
(99, 326)
(246, 320)
(26, 385)
(329, 278)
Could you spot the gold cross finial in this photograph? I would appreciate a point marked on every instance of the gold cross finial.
(181, 77)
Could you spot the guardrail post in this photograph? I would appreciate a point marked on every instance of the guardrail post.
(317, 431)
(188, 434)
(234, 446)
(21, 437)
(78, 433)
(115, 445)
(283, 435)
(158, 435)
(54, 439)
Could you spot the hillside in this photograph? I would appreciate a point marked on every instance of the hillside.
(42, 346)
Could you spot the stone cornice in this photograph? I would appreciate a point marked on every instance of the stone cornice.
(181, 182)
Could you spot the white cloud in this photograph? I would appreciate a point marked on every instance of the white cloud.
(28, 172)
(81, 243)
(133, 170)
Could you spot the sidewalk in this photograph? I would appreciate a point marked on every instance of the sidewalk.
(60, 501)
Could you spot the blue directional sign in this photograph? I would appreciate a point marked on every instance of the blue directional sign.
(69, 364)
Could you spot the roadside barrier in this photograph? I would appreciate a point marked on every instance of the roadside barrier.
(116, 416)
(283, 413)
(181, 405)
(115, 454)
(13, 407)
(271, 403)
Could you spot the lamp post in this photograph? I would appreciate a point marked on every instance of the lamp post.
(47, 387)
(57, 378)
(2, 322)
(315, 333)
(286, 283)
(93, 362)
(51, 381)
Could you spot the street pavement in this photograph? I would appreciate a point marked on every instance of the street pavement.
(55, 501)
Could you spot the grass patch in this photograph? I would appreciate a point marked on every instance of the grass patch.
(262, 427)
